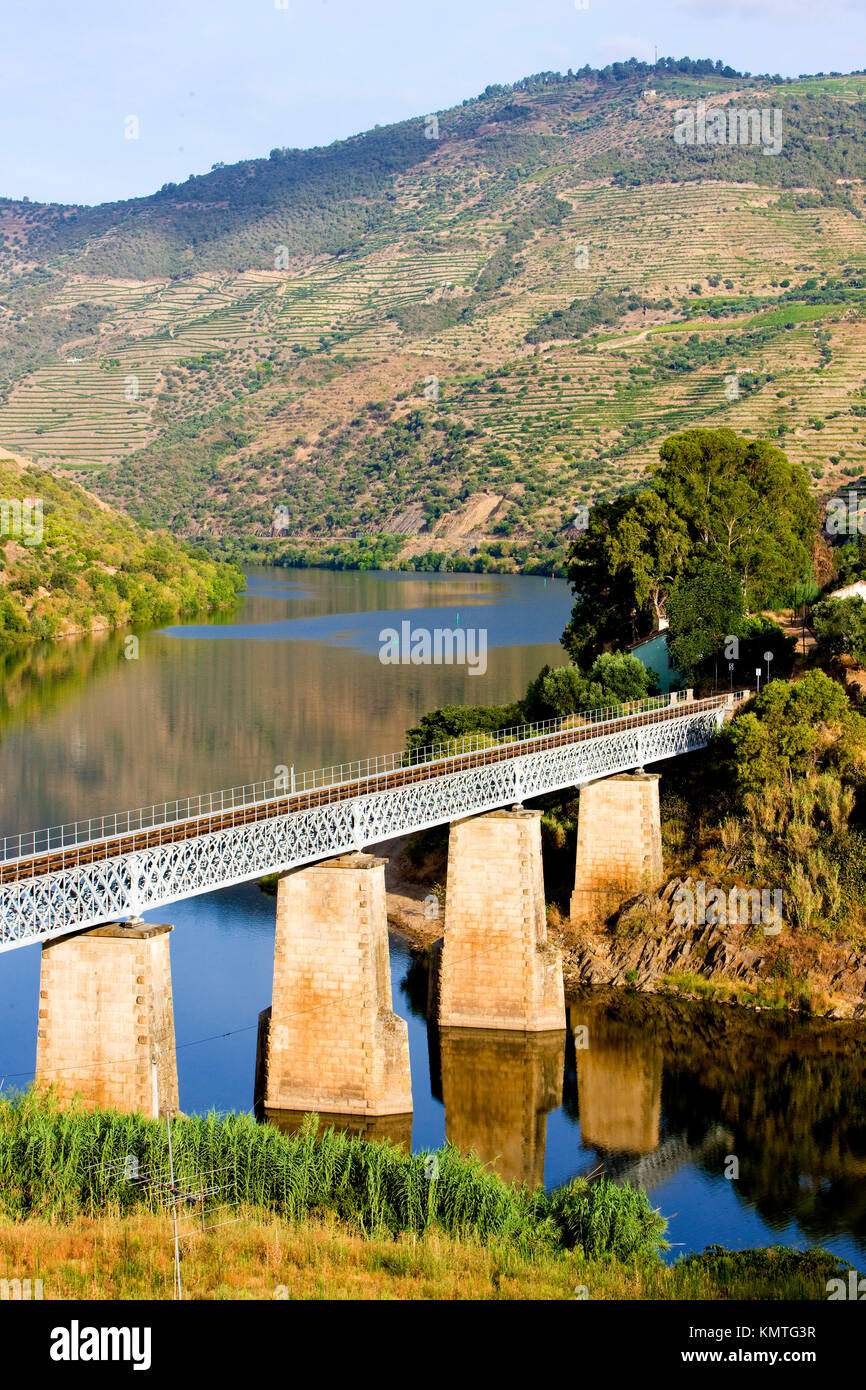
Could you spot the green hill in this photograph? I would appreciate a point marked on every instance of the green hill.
(453, 330)
(72, 564)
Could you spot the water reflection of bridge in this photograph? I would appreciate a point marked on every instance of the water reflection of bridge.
(499, 1087)
(650, 1170)
(619, 1083)
(619, 1091)
(659, 1088)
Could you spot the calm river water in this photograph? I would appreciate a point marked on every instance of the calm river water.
(666, 1092)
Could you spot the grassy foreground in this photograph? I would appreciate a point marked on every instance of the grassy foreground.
(261, 1256)
(330, 1216)
(66, 1162)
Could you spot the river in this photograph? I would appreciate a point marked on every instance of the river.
(745, 1129)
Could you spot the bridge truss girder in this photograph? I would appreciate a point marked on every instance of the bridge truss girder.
(74, 898)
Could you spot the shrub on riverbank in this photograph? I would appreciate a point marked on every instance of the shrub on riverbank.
(53, 1163)
(605, 1219)
(792, 766)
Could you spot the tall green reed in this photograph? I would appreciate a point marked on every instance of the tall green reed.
(53, 1161)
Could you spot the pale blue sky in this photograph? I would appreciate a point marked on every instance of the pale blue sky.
(229, 79)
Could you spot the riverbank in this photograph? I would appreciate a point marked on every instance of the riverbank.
(260, 1256)
(70, 565)
(644, 949)
(477, 554)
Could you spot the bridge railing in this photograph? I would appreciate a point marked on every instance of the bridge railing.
(122, 823)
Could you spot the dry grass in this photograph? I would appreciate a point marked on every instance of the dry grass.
(262, 1257)
(259, 1256)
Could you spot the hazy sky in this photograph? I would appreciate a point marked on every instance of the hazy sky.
(228, 79)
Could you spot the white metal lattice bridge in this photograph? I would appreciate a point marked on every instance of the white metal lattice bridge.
(75, 876)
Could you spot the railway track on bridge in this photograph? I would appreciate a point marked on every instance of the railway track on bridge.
(172, 832)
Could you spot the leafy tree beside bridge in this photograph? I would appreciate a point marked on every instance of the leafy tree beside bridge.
(726, 525)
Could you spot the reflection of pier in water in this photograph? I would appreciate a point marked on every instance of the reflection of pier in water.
(619, 1088)
(619, 1083)
(498, 1087)
(397, 1128)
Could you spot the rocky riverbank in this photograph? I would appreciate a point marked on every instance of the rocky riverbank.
(644, 947)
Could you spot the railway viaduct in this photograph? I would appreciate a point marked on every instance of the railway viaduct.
(330, 1041)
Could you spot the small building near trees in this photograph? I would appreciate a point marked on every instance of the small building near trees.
(652, 652)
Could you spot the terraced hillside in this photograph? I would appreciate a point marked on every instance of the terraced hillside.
(456, 329)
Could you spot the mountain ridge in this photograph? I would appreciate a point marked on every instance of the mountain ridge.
(382, 345)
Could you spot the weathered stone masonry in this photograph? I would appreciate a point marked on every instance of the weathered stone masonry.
(333, 1043)
(498, 968)
(619, 843)
(105, 1011)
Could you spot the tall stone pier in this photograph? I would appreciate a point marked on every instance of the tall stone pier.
(331, 1041)
(619, 843)
(105, 1012)
(498, 969)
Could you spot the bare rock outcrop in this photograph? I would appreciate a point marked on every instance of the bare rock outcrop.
(646, 943)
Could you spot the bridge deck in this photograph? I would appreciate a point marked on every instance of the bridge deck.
(575, 730)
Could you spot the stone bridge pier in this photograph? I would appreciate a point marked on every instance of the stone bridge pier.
(105, 1013)
(619, 844)
(498, 969)
(331, 1042)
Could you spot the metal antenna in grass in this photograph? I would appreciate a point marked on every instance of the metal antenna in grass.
(192, 1200)
(171, 1180)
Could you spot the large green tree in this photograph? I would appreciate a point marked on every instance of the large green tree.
(622, 570)
(704, 609)
(744, 503)
(714, 497)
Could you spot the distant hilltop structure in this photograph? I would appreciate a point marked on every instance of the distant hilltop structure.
(649, 94)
